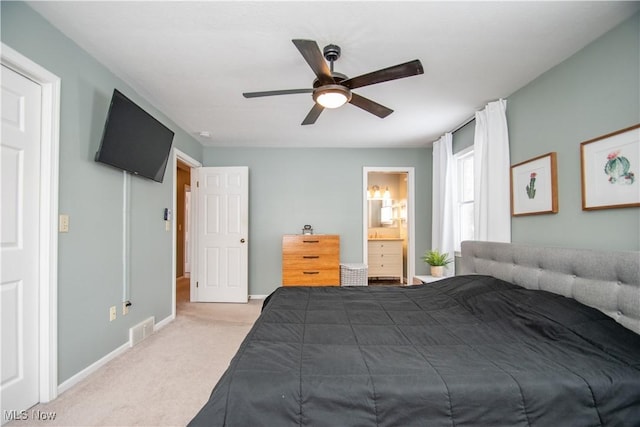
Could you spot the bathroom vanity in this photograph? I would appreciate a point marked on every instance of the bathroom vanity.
(385, 258)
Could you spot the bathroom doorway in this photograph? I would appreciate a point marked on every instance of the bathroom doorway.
(388, 225)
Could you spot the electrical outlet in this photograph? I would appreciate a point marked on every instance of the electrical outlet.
(63, 225)
(112, 313)
(125, 308)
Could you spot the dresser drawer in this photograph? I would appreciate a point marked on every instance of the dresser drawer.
(299, 262)
(386, 247)
(311, 245)
(312, 277)
(383, 270)
(385, 259)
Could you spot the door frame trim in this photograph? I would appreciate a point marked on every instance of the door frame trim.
(411, 229)
(48, 216)
(193, 163)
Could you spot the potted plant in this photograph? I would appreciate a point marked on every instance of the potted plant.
(437, 261)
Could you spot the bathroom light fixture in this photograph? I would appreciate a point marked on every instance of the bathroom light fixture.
(374, 193)
(332, 96)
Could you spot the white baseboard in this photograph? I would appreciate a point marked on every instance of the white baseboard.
(103, 361)
(164, 322)
(258, 296)
(91, 368)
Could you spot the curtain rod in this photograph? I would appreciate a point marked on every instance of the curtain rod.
(472, 118)
(460, 126)
(463, 124)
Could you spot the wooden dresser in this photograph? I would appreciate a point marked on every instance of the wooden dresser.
(311, 260)
(385, 258)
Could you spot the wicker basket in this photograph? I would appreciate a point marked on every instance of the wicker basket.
(353, 275)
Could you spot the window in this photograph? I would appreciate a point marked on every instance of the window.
(463, 229)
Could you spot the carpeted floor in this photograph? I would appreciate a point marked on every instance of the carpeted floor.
(164, 380)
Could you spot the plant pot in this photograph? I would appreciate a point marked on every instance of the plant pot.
(437, 270)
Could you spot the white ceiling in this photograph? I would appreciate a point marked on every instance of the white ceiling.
(193, 60)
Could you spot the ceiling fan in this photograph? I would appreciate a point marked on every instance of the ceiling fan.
(332, 89)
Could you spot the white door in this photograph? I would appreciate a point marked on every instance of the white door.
(19, 286)
(223, 223)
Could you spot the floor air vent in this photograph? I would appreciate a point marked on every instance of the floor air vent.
(141, 331)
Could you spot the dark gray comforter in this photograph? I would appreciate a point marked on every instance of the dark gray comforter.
(469, 350)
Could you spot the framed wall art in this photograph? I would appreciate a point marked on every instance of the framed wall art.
(609, 167)
(534, 186)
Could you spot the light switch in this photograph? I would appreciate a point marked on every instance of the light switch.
(63, 225)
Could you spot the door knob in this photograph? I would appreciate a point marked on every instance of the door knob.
(241, 240)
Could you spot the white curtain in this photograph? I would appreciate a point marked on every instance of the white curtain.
(442, 225)
(491, 163)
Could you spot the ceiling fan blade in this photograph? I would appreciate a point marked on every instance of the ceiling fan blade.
(370, 106)
(276, 92)
(311, 53)
(399, 71)
(313, 114)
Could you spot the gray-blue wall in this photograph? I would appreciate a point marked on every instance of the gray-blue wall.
(593, 93)
(289, 188)
(90, 255)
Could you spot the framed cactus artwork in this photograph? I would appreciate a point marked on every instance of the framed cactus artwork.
(610, 165)
(534, 186)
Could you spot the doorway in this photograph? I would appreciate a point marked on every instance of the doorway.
(184, 168)
(388, 225)
(183, 191)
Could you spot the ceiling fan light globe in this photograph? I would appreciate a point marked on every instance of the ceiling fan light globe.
(332, 96)
(331, 99)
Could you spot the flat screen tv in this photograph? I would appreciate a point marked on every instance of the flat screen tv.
(133, 140)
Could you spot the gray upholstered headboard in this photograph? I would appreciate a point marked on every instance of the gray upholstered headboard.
(608, 281)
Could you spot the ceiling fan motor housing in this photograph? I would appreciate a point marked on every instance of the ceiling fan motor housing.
(331, 52)
(337, 77)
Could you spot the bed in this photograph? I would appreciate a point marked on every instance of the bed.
(523, 336)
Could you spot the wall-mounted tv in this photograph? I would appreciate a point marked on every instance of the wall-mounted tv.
(133, 140)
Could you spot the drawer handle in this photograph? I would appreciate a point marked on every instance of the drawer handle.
(311, 241)
(310, 256)
(310, 272)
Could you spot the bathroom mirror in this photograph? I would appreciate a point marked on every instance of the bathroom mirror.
(381, 214)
